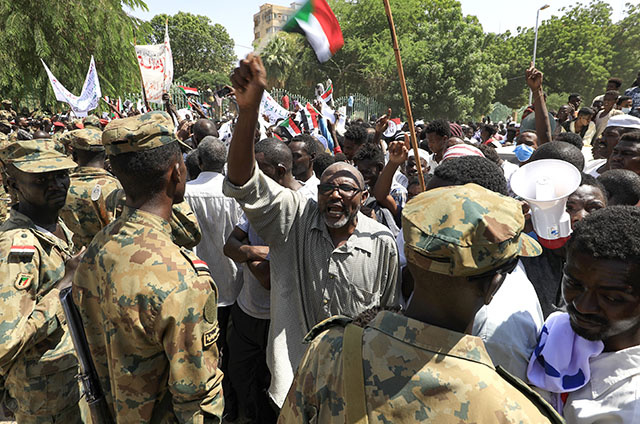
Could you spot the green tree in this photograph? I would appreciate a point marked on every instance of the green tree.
(65, 36)
(446, 76)
(625, 43)
(575, 52)
(279, 57)
(197, 45)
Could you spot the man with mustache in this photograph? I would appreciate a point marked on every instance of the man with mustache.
(602, 292)
(37, 358)
(326, 258)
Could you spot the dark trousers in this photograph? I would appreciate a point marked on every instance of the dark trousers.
(248, 365)
(230, 398)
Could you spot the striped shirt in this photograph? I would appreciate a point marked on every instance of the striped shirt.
(312, 279)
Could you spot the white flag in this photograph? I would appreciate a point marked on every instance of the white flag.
(156, 68)
(89, 97)
(270, 107)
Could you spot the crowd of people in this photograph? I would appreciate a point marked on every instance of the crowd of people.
(235, 270)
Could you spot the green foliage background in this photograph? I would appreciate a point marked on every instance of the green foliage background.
(453, 68)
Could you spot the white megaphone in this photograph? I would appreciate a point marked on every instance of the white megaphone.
(546, 184)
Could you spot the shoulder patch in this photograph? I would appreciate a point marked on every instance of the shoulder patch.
(211, 308)
(23, 282)
(532, 395)
(198, 264)
(23, 244)
(337, 320)
(210, 337)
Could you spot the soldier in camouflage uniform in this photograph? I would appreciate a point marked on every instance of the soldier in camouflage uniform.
(80, 213)
(37, 359)
(92, 121)
(149, 306)
(424, 366)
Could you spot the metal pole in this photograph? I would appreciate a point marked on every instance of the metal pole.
(535, 48)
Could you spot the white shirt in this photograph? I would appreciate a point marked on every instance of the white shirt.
(217, 216)
(509, 169)
(509, 325)
(592, 167)
(254, 299)
(310, 187)
(611, 395)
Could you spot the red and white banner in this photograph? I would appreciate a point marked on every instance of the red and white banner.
(156, 68)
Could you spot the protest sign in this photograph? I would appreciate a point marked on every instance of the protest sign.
(156, 68)
(89, 97)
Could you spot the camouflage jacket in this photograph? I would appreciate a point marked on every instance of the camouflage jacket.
(37, 357)
(413, 372)
(79, 213)
(5, 200)
(185, 230)
(149, 311)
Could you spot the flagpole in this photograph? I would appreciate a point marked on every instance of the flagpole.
(144, 92)
(405, 94)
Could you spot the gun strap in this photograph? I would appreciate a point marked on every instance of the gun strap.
(355, 400)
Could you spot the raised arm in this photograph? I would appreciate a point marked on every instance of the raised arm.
(249, 80)
(398, 154)
(543, 126)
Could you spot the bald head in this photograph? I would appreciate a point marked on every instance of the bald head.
(342, 169)
(203, 128)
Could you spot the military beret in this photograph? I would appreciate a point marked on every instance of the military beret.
(464, 230)
(86, 139)
(138, 133)
(36, 156)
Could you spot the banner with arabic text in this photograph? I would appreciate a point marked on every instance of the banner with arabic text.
(89, 97)
(156, 68)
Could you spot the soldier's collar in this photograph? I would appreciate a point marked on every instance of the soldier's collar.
(429, 337)
(146, 218)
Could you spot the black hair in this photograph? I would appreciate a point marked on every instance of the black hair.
(275, 152)
(473, 169)
(633, 137)
(212, 154)
(590, 180)
(574, 95)
(141, 173)
(571, 138)
(622, 99)
(490, 153)
(192, 163)
(560, 150)
(609, 233)
(322, 162)
(202, 128)
(83, 157)
(357, 134)
(310, 144)
(490, 128)
(612, 93)
(623, 186)
(340, 157)
(440, 127)
(585, 111)
(616, 81)
(369, 152)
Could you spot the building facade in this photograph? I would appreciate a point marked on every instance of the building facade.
(270, 19)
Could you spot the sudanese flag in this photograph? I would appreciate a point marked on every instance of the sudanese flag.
(316, 21)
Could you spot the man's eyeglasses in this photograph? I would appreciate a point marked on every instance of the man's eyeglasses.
(345, 190)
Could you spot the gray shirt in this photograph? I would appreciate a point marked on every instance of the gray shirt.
(314, 279)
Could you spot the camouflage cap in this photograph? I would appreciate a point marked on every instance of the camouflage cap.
(86, 139)
(36, 156)
(7, 102)
(91, 121)
(464, 230)
(138, 133)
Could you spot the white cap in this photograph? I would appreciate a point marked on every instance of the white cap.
(624, 121)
